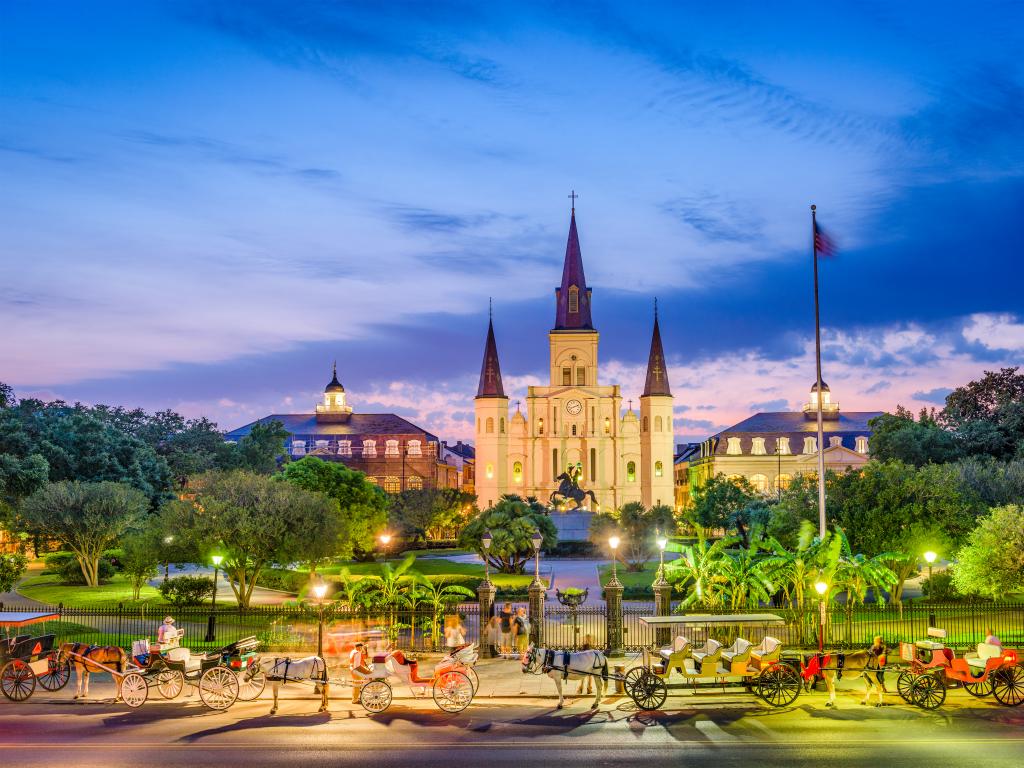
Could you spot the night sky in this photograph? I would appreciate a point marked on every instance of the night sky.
(202, 205)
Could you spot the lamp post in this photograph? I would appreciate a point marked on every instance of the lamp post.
(821, 588)
(167, 563)
(537, 540)
(662, 543)
(929, 557)
(613, 542)
(486, 540)
(319, 590)
(662, 593)
(536, 593)
(485, 598)
(211, 625)
(385, 539)
(613, 602)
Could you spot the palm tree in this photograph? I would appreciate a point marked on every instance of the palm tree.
(856, 574)
(743, 575)
(701, 565)
(440, 597)
(390, 590)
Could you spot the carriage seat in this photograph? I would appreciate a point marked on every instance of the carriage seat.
(679, 644)
(986, 651)
(738, 652)
(184, 656)
(710, 648)
(768, 650)
(708, 665)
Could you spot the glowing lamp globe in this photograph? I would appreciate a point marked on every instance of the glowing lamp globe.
(821, 587)
(217, 560)
(929, 557)
(613, 542)
(319, 590)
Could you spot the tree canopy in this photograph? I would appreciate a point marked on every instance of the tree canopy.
(512, 523)
(899, 437)
(638, 527)
(992, 561)
(414, 513)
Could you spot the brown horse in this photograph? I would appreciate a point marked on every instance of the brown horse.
(80, 654)
(832, 666)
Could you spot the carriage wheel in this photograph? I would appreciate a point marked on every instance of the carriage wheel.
(928, 692)
(905, 685)
(453, 691)
(218, 688)
(649, 691)
(982, 689)
(375, 696)
(58, 673)
(170, 683)
(251, 683)
(17, 680)
(1008, 686)
(134, 690)
(474, 678)
(631, 678)
(779, 685)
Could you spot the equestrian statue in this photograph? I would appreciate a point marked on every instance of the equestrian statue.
(569, 489)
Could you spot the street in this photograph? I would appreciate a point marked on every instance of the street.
(719, 729)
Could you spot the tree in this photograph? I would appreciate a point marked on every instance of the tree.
(260, 450)
(700, 567)
(725, 504)
(7, 398)
(416, 513)
(139, 559)
(362, 507)
(440, 597)
(637, 526)
(87, 518)
(898, 437)
(512, 523)
(797, 504)
(992, 483)
(988, 415)
(992, 561)
(855, 574)
(743, 576)
(252, 521)
(391, 590)
(12, 568)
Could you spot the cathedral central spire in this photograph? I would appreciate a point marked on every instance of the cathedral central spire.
(572, 297)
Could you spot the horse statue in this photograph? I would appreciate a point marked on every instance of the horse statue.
(103, 658)
(569, 488)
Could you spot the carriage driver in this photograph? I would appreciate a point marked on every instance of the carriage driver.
(358, 668)
(167, 636)
(876, 660)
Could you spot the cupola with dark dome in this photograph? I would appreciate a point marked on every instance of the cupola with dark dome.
(334, 407)
(829, 410)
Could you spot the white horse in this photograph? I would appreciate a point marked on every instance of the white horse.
(568, 665)
(311, 669)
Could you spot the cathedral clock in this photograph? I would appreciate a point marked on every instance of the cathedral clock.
(574, 407)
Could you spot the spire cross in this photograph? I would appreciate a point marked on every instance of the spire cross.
(573, 196)
(334, 369)
(517, 405)
(490, 374)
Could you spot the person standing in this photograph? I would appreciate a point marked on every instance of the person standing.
(492, 635)
(876, 661)
(358, 669)
(454, 633)
(506, 628)
(521, 630)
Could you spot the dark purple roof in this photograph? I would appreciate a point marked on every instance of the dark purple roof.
(792, 424)
(305, 425)
(490, 371)
(657, 373)
(572, 275)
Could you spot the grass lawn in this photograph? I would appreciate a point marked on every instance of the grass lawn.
(629, 579)
(47, 588)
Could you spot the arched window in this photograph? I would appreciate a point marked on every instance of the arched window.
(734, 448)
(835, 442)
(810, 445)
(372, 481)
(490, 471)
(607, 425)
(298, 447)
(659, 469)
(759, 483)
(593, 465)
(862, 444)
(645, 423)
(631, 472)
(489, 428)
(574, 299)
(566, 377)
(414, 483)
(392, 484)
(501, 425)
(517, 472)
(344, 447)
(540, 426)
(574, 430)
(657, 423)
(782, 482)
(478, 424)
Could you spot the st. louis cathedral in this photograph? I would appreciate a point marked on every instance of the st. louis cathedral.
(575, 425)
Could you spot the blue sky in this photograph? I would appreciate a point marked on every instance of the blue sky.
(204, 204)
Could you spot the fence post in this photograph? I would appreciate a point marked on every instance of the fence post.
(536, 593)
(662, 607)
(485, 596)
(613, 616)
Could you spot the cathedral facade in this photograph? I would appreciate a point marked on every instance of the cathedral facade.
(575, 424)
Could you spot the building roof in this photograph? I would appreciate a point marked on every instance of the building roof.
(465, 450)
(685, 452)
(334, 385)
(572, 275)
(301, 424)
(794, 421)
(490, 370)
(657, 373)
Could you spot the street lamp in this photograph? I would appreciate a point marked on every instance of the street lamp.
(929, 557)
(319, 590)
(385, 539)
(537, 540)
(486, 541)
(211, 626)
(662, 543)
(821, 588)
(613, 542)
(167, 563)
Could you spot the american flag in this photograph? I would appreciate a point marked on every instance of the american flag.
(823, 244)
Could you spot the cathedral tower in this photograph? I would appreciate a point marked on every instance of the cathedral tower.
(573, 340)
(491, 406)
(656, 437)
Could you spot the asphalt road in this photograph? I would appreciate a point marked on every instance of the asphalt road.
(721, 730)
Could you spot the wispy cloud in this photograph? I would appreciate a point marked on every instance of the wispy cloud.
(716, 217)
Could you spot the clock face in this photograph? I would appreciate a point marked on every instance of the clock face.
(574, 407)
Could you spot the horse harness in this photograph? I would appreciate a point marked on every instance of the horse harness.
(549, 664)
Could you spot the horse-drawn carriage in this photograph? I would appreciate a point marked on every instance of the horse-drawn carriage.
(26, 660)
(989, 670)
(757, 667)
(452, 683)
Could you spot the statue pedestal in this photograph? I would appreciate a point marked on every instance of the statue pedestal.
(573, 525)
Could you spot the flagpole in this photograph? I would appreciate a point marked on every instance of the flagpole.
(817, 362)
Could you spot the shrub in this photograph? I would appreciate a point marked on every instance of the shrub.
(187, 590)
(55, 561)
(12, 568)
(70, 572)
(284, 580)
(940, 587)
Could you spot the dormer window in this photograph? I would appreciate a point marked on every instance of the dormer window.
(415, 448)
(298, 447)
(862, 444)
(810, 445)
(390, 447)
(782, 446)
(757, 447)
(574, 299)
(734, 448)
(369, 448)
(835, 442)
(344, 447)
